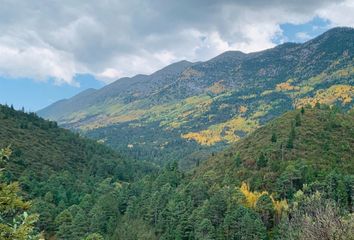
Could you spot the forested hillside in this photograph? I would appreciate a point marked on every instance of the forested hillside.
(187, 110)
(291, 179)
(62, 172)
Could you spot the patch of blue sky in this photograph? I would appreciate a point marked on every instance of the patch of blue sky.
(34, 95)
(300, 33)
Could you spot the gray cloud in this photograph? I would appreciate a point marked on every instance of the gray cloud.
(110, 39)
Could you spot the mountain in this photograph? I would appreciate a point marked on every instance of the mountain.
(297, 168)
(188, 110)
(57, 168)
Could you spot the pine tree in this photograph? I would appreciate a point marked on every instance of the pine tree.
(290, 143)
(80, 225)
(302, 110)
(15, 222)
(94, 236)
(205, 230)
(64, 222)
(274, 137)
(262, 160)
(242, 223)
(264, 207)
(237, 160)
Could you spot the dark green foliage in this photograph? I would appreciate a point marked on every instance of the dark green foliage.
(15, 222)
(59, 169)
(290, 142)
(205, 230)
(302, 110)
(88, 199)
(262, 160)
(264, 207)
(289, 181)
(64, 220)
(80, 225)
(94, 236)
(237, 160)
(274, 137)
(242, 223)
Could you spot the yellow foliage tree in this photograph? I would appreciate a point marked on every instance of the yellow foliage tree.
(251, 198)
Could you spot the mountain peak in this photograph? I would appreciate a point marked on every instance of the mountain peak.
(335, 35)
(339, 30)
(174, 68)
(225, 56)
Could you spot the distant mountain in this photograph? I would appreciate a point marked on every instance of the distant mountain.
(187, 110)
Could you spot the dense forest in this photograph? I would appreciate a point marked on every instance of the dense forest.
(61, 171)
(291, 179)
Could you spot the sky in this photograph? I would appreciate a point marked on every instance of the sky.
(54, 49)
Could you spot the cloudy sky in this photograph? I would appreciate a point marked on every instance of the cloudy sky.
(53, 49)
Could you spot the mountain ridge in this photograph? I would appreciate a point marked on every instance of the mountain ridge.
(207, 105)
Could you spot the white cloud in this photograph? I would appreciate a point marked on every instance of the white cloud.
(111, 39)
(110, 74)
(341, 14)
(303, 36)
(27, 56)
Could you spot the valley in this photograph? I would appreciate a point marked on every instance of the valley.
(243, 146)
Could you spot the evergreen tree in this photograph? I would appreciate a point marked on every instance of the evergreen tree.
(302, 110)
(265, 209)
(47, 211)
(274, 137)
(15, 222)
(64, 222)
(290, 143)
(94, 236)
(80, 225)
(238, 160)
(262, 160)
(242, 223)
(205, 230)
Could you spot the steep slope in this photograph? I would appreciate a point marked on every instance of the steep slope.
(254, 188)
(311, 142)
(57, 168)
(207, 105)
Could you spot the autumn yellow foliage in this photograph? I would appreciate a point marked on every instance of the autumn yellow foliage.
(217, 87)
(251, 199)
(207, 137)
(342, 93)
(223, 131)
(286, 86)
(243, 109)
